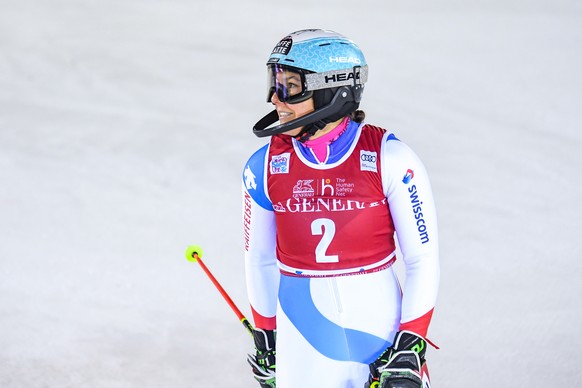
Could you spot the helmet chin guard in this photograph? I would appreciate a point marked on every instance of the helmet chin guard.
(343, 100)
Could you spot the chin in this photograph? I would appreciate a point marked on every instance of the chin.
(293, 132)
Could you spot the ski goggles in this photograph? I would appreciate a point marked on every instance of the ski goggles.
(294, 85)
(288, 84)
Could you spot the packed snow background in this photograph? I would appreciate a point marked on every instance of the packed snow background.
(124, 127)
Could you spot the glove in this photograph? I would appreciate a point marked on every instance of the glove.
(399, 366)
(263, 361)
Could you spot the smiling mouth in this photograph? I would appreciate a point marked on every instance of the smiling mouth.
(284, 115)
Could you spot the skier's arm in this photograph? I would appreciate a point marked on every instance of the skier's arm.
(262, 272)
(413, 211)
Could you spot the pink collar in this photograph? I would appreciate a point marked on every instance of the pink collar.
(319, 145)
(329, 137)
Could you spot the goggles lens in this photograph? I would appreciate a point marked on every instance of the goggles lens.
(289, 85)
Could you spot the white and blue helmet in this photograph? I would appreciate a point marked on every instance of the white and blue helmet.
(333, 71)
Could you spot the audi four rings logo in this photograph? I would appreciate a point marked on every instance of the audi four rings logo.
(368, 161)
(368, 158)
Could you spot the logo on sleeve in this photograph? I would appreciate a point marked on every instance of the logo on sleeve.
(416, 205)
(368, 161)
(408, 176)
(280, 164)
(250, 182)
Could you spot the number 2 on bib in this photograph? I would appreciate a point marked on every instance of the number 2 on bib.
(325, 227)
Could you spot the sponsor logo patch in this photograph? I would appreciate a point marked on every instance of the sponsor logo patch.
(368, 161)
(416, 205)
(408, 176)
(354, 60)
(284, 46)
(249, 178)
(303, 189)
(280, 164)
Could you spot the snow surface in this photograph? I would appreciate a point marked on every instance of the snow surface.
(124, 126)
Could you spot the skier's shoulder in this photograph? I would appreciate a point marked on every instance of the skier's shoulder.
(394, 147)
(258, 157)
(375, 130)
(395, 153)
(388, 138)
(367, 127)
(253, 177)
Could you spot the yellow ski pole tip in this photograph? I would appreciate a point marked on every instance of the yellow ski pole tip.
(194, 252)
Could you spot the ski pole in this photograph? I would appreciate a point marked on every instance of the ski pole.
(194, 254)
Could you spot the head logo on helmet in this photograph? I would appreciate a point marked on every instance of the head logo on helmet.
(333, 71)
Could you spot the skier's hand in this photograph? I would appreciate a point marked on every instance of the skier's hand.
(263, 361)
(400, 364)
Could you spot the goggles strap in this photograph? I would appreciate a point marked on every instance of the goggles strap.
(357, 75)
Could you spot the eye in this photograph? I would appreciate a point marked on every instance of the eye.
(293, 88)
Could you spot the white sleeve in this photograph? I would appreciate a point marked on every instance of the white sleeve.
(262, 272)
(412, 207)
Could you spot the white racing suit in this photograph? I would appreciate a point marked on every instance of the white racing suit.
(319, 248)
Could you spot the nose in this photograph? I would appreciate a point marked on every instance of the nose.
(275, 99)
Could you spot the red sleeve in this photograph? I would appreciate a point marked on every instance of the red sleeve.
(418, 325)
(261, 322)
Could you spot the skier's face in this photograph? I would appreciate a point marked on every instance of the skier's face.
(288, 112)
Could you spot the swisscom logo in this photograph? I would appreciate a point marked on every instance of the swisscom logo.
(416, 207)
(408, 176)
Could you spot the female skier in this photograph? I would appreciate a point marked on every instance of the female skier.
(322, 203)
